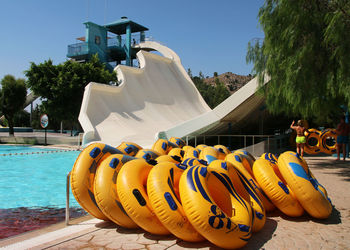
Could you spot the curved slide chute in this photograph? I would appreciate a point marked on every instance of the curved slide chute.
(152, 98)
(157, 100)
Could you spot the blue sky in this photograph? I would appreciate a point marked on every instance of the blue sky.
(209, 36)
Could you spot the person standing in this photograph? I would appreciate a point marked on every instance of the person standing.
(343, 130)
(300, 139)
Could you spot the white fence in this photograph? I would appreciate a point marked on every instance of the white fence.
(255, 144)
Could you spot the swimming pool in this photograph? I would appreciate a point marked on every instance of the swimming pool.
(37, 179)
(8, 150)
(33, 183)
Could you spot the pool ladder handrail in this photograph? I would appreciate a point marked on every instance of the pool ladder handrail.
(67, 198)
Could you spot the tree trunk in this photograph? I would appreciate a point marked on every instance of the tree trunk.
(11, 130)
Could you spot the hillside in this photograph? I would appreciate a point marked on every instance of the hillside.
(232, 81)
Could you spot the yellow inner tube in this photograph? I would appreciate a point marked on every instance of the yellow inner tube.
(200, 147)
(315, 135)
(163, 193)
(210, 154)
(83, 176)
(129, 148)
(306, 188)
(105, 190)
(245, 160)
(178, 141)
(147, 154)
(208, 198)
(177, 153)
(222, 149)
(250, 157)
(131, 188)
(190, 162)
(278, 191)
(167, 158)
(325, 148)
(190, 152)
(261, 203)
(163, 146)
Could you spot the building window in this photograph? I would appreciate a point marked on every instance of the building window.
(97, 40)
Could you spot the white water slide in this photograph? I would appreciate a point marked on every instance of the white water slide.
(158, 100)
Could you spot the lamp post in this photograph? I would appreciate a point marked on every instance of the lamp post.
(44, 122)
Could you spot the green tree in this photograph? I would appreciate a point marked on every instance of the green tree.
(61, 86)
(12, 98)
(306, 52)
(213, 95)
(189, 72)
(204, 89)
(22, 119)
(220, 92)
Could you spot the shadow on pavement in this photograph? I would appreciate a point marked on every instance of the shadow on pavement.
(340, 168)
(264, 235)
(334, 218)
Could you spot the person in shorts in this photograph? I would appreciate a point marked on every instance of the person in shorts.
(343, 130)
(300, 139)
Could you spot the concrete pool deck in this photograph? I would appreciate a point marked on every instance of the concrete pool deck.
(280, 232)
(38, 138)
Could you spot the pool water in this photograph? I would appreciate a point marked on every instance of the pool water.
(15, 149)
(33, 187)
(35, 180)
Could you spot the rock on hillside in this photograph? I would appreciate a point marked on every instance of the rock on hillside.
(232, 81)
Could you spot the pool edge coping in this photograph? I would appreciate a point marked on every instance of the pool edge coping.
(14, 241)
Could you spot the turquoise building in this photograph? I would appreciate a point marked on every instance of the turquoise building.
(114, 43)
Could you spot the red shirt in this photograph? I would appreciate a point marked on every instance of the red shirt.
(343, 129)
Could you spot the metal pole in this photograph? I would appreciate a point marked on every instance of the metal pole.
(31, 113)
(186, 139)
(79, 141)
(230, 132)
(195, 141)
(67, 198)
(45, 136)
(253, 145)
